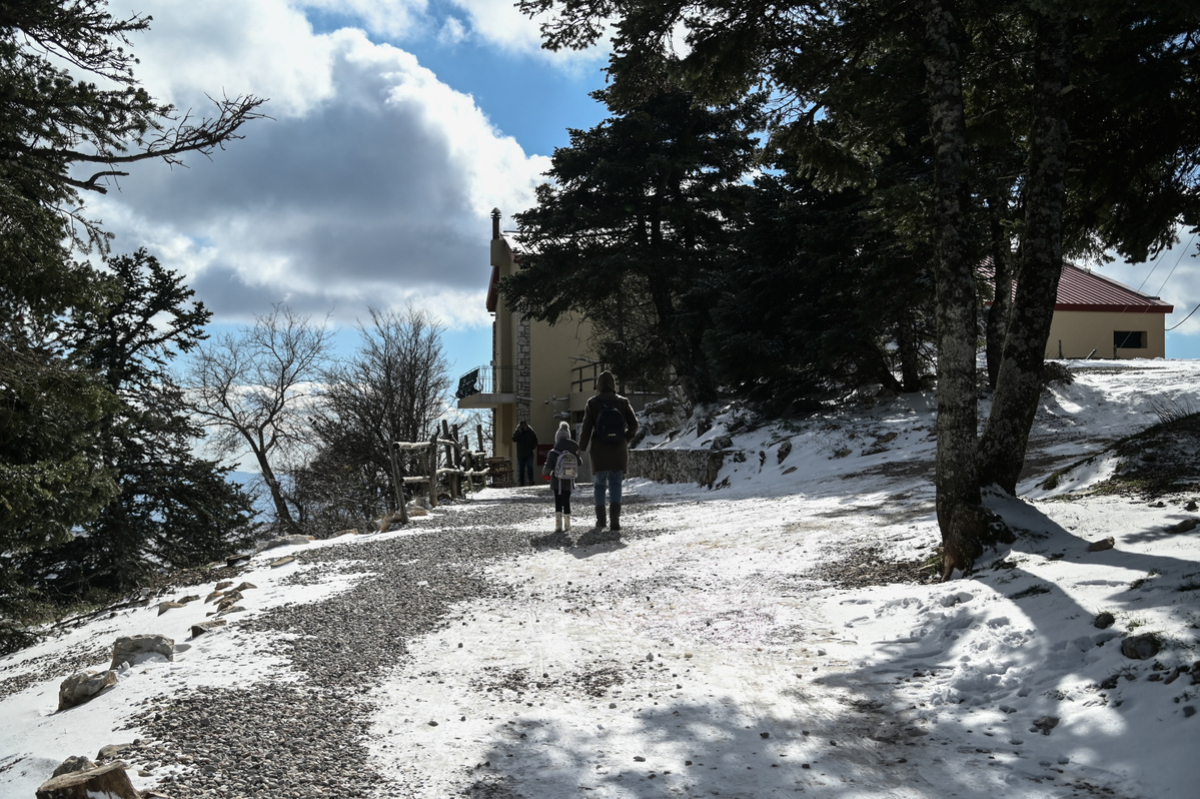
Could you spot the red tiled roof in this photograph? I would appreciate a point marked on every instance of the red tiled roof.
(1081, 290)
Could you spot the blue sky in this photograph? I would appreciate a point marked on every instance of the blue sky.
(397, 126)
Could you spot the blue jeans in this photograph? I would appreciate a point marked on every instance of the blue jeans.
(524, 467)
(611, 480)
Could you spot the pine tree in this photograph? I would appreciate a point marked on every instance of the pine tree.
(1080, 85)
(174, 510)
(71, 114)
(633, 226)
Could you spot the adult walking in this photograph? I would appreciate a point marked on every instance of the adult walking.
(609, 424)
(527, 442)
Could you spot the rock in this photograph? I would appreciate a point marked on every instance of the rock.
(1103, 621)
(111, 751)
(138, 648)
(237, 561)
(1100, 546)
(72, 764)
(1045, 724)
(109, 781)
(785, 449)
(163, 607)
(1140, 647)
(82, 686)
(221, 586)
(281, 562)
(212, 596)
(183, 600)
(207, 626)
(244, 587)
(1185, 526)
(1191, 506)
(1188, 711)
(721, 442)
(285, 541)
(232, 609)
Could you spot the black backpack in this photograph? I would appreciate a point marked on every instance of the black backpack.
(610, 424)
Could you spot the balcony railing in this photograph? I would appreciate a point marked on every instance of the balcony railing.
(487, 380)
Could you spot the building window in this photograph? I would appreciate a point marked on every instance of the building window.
(1129, 340)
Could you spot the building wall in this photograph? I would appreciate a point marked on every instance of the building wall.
(542, 356)
(1075, 334)
(553, 350)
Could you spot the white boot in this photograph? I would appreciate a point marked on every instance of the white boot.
(558, 522)
(566, 522)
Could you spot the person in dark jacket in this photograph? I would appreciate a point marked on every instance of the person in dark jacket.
(560, 486)
(527, 442)
(609, 424)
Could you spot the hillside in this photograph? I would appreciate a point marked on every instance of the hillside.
(775, 637)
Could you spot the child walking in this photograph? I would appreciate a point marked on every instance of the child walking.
(562, 466)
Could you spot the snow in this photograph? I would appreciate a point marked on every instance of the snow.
(704, 662)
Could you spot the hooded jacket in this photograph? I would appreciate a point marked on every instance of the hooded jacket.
(607, 457)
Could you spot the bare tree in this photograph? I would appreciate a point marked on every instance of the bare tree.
(393, 389)
(253, 390)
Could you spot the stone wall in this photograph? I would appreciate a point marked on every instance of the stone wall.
(676, 465)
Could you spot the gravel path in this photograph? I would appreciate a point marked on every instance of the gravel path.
(305, 739)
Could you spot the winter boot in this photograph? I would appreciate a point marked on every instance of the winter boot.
(566, 522)
(558, 522)
(601, 520)
(616, 517)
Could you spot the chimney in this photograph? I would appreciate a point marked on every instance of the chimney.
(495, 223)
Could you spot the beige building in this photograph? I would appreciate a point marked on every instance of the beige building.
(541, 373)
(1096, 317)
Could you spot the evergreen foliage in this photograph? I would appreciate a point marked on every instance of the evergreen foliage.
(1093, 101)
(817, 300)
(71, 113)
(633, 228)
(174, 510)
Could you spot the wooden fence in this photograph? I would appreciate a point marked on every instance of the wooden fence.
(447, 459)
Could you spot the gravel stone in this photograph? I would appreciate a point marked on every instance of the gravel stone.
(308, 738)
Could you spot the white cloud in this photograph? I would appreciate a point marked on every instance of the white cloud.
(453, 32)
(263, 47)
(500, 24)
(390, 18)
(371, 186)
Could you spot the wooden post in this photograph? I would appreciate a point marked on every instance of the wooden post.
(433, 460)
(399, 484)
(452, 479)
(479, 433)
(464, 485)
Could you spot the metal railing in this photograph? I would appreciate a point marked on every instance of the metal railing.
(488, 380)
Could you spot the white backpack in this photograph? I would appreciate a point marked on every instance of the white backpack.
(567, 466)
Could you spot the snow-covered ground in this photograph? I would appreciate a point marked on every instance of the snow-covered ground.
(710, 660)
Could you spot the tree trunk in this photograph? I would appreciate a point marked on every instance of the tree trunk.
(910, 363)
(282, 513)
(689, 365)
(998, 315)
(1019, 385)
(956, 482)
